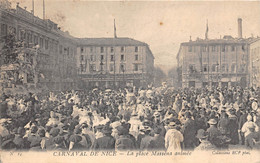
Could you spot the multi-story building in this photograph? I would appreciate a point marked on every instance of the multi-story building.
(214, 62)
(114, 62)
(254, 63)
(56, 55)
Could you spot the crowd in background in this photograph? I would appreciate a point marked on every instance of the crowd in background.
(161, 118)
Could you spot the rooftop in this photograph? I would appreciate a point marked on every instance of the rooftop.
(225, 40)
(120, 41)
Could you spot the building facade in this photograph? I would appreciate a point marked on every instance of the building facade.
(56, 56)
(114, 62)
(219, 62)
(254, 63)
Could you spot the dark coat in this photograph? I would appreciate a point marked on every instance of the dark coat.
(214, 135)
(242, 120)
(233, 126)
(21, 143)
(250, 140)
(189, 133)
(3, 109)
(104, 143)
(124, 142)
(145, 142)
(157, 143)
(139, 139)
(223, 126)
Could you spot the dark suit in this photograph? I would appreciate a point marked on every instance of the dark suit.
(157, 143)
(189, 134)
(104, 143)
(242, 120)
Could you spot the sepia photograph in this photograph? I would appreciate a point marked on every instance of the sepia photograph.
(129, 81)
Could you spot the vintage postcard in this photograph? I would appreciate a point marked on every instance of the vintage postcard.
(129, 81)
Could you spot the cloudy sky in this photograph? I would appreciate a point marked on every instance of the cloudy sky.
(163, 25)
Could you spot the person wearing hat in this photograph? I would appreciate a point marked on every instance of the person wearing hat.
(58, 144)
(98, 129)
(157, 142)
(173, 138)
(54, 132)
(252, 137)
(158, 123)
(223, 124)
(33, 135)
(205, 144)
(7, 142)
(20, 142)
(242, 121)
(124, 141)
(107, 142)
(135, 124)
(245, 129)
(35, 144)
(145, 142)
(75, 143)
(214, 133)
(189, 131)
(88, 134)
(233, 127)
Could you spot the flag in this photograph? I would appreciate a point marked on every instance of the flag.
(115, 28)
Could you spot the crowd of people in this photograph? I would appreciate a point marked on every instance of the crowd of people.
(161, 118)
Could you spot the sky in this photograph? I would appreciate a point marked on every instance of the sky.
(163, 25)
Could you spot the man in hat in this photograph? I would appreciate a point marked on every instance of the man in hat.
(157, 142)
(20, 142)
(75, 142)
(124, 142)
(158, 123)
(107, 142)
(214, 133)
(233, 127)
(189, 131)
(145, 142)
(47, 142)
(223, 124)
(57, 144)
(88, 134)
(35, 140)
(173, 138)
(33, 136)
(242, 121)
(98, 129)
(204, 143)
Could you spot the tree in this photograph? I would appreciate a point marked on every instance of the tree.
(17, 59)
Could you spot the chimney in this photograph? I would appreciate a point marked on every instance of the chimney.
(239, 22)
